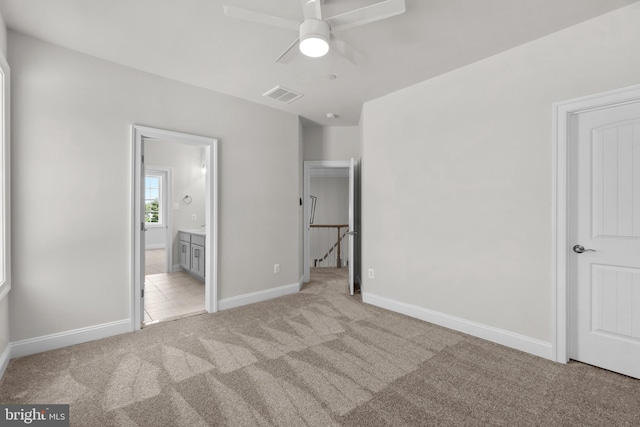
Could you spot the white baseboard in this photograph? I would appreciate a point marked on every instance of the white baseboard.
(489, 333)
(64, 339)
(253, 297)
(156, 246)
(301, 283)
(176, 267)
(4, 359)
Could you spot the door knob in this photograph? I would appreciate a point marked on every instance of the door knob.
(580, 249)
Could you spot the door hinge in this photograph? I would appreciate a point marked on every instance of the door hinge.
(141, 293)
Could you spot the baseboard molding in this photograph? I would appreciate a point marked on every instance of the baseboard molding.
(301, 283)
(64, 339)
(253, 297)
(156, 246)
(176, 267)
(489, 333)
(4, 359)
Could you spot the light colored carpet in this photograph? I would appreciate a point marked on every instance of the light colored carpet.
(317, 358)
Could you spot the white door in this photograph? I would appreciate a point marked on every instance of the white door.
(141, 249)
(353, 267)
(604, 250)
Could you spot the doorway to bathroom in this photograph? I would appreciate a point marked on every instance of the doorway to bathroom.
(158, 216)
(174, 225)
(174, 201)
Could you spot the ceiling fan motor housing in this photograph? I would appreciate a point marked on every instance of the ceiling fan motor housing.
(312, 30)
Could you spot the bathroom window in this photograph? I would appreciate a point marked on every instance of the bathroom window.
(153, 203)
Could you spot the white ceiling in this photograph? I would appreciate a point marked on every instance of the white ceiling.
(193, 42)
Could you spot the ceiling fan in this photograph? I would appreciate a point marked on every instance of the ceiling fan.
(316, 33)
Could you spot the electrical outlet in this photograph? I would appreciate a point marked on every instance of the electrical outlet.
(371, 275)
(276, 268)
(194, 217)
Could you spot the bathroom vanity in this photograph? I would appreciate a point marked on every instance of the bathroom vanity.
(192, 252)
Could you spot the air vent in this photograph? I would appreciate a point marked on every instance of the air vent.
(282, 94)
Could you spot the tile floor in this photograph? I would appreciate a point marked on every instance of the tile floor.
(170, 294)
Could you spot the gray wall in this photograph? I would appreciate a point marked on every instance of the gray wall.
(4, 325)
(457, 175)
(332, 206)
(71, 131)
(331, 143)
(4, 302)
(3, 36)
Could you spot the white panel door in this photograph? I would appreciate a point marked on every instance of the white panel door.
(143, 229)
(604, 256)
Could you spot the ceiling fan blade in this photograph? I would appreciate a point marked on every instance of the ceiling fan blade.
(375, 12)
(289, 54)
(312, 9)
(349, 53)
(260, 18)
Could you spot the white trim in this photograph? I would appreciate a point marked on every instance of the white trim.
(301, 283)
(156, 246)
(5, 199)
(138, 134)
(311, 167)
(562, 112)
(253, 297)
(330, 173)
(489, 333)
(5, 186)
(176, 267)
(211, 242)
(5, 357)
(64, 339)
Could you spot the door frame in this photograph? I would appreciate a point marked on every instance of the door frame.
(562, 138)
(308, 167)
(138, 135)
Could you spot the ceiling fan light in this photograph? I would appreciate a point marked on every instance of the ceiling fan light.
(314, 37)
(314, 46)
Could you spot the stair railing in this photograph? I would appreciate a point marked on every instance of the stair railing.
(321, 239)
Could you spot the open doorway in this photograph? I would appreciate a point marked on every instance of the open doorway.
(158, 218)
(329, 219)
(174, 202)
(331, 241)
(175, 225)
